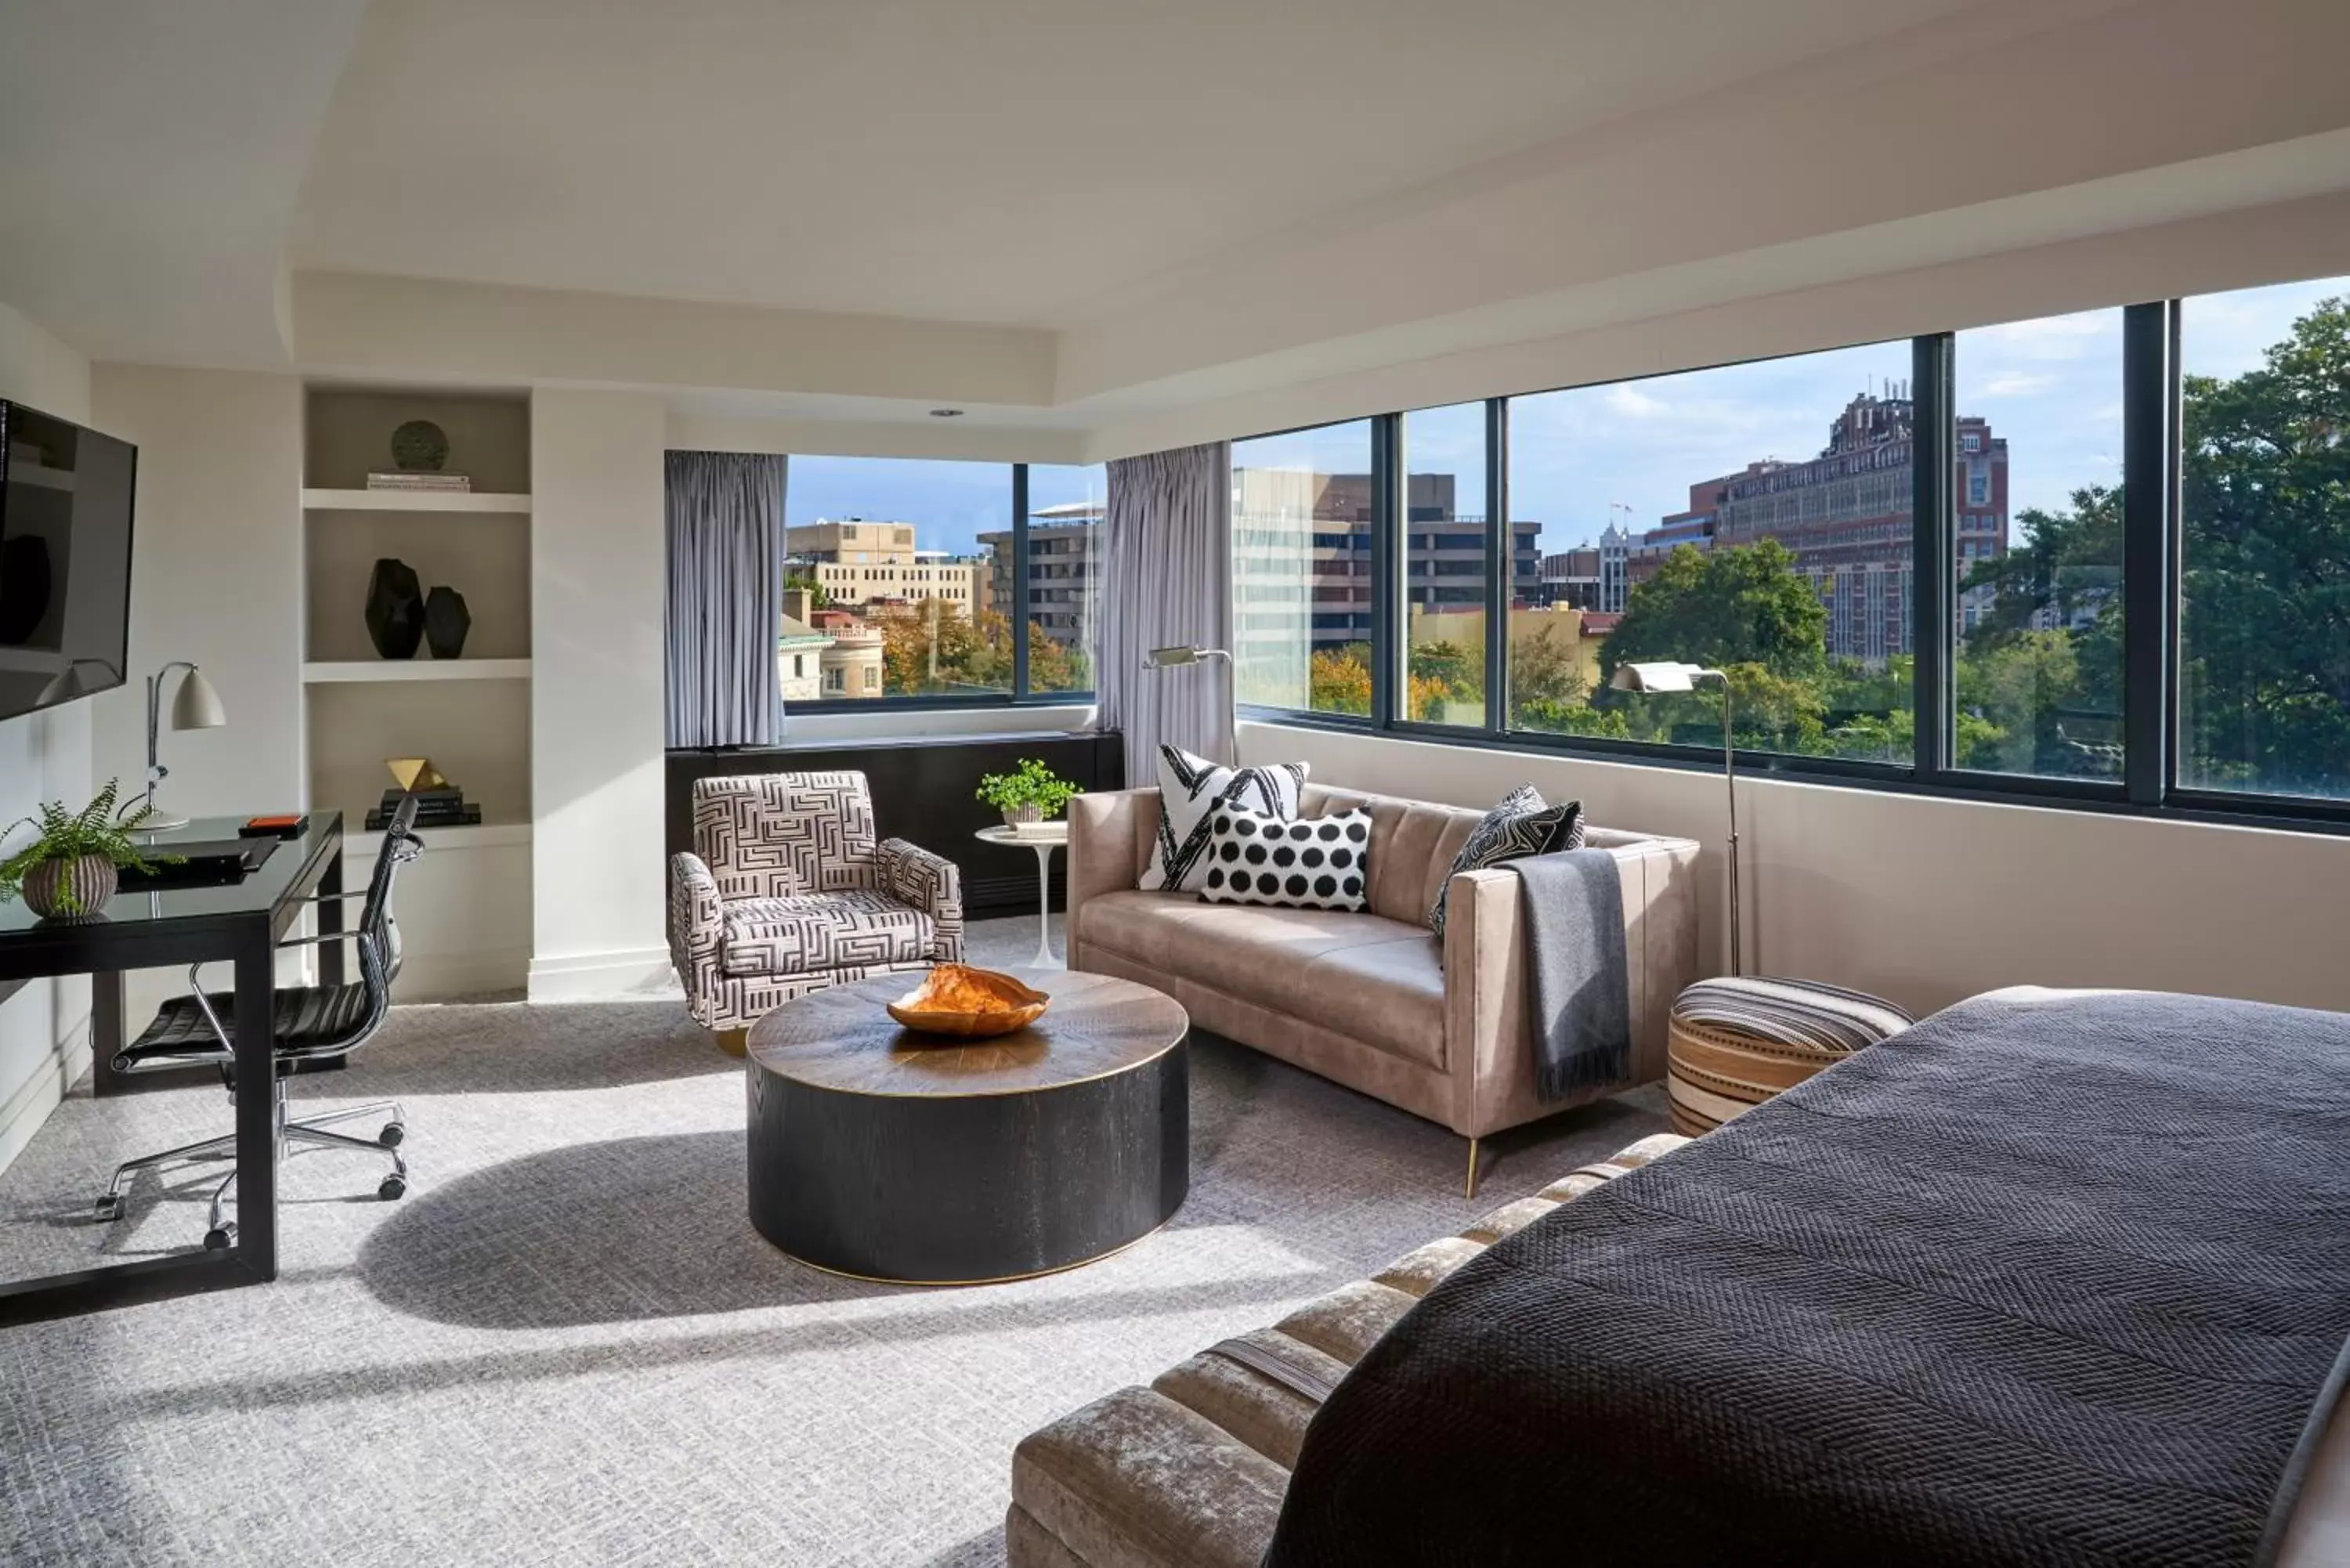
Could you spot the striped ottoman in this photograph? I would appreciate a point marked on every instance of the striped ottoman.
(1737, 1041)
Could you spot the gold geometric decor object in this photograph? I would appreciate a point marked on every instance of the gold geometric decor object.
(414, 773)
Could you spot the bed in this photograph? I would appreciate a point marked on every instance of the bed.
(2054, 1277)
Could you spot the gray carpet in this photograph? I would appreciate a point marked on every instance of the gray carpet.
(566, 1345)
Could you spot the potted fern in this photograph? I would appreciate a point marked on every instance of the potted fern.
(1027, 795)
(70, 868)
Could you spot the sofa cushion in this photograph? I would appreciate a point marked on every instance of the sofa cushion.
(1519, 826)
(809, 932)
(1254, 858)
(1381, 982)
(1189, 790)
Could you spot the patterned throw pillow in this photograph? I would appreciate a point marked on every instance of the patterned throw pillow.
(1323, 863)
(1519, 826)
(1189, 790)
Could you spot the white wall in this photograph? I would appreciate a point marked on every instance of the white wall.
(1923, 899)
(45, 1025)
(597, 571)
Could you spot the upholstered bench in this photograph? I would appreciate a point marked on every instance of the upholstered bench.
(1733, 1041)
(1191, 1470)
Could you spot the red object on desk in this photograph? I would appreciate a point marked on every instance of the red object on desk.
(286, 825)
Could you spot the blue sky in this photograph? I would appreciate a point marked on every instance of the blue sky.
(2052, 387)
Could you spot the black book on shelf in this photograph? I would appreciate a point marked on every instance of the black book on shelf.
(392, 797)
(462, 816)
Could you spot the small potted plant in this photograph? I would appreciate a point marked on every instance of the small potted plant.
(1028, 796)
(70, 869)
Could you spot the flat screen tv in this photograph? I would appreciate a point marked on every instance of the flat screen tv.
(65, 559)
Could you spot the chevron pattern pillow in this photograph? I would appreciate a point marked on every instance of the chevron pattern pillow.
(1519, 825)
(1189, 790)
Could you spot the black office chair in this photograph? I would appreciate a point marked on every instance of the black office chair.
(308, 1023)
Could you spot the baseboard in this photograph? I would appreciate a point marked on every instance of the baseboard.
(590, 977)
(22, 1114)
(438, 977)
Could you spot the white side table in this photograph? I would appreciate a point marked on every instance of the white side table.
(1044, 840)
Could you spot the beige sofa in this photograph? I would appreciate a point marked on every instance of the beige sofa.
(1376, 1000)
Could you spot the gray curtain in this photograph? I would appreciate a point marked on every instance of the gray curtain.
(1166, 581)
(725, 594)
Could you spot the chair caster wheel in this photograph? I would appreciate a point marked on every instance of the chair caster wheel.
(220, 1237)
(109, 1206)
(392, 1134)
(393, 1187)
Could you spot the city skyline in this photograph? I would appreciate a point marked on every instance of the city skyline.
(2052, 386)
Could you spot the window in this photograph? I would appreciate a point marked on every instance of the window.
(903, 577)
(1756, 518)
(1065, 563)
(1444, 586)
(2265, 494)
(892, 553)
(2037, 666)
(1301, 609)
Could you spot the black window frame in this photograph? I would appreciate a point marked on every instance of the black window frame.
(1020, 696)
(2153, 543)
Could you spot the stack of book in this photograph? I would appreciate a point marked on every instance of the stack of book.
(444, 806)
(446, 483)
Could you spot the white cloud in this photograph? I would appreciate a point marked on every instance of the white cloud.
(2016, 384)
(1634, 404)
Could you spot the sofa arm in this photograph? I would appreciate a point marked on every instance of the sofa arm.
(1110, 834)
(931, 883)
(697, 928)
(1488, 1011)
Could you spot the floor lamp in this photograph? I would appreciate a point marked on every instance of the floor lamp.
(1667, 676)
(1178, 658)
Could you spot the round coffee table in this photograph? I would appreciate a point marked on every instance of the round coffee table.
(902, 1157)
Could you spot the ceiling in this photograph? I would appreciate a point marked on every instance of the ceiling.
(1092, 217)
(1010, 161)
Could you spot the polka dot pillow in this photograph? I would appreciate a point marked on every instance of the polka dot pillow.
(1321, 863)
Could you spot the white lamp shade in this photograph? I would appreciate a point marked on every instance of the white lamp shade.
(1665, 676)
(198, 706)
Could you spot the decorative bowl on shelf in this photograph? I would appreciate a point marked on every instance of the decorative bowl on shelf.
(969, 1003)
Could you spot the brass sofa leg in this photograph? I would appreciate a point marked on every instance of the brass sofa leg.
(1471, 1192)
(735, 1042)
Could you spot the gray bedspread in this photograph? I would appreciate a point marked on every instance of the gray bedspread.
(2052, 1278)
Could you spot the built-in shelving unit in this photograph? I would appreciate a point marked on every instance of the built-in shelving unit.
(413, 501)
(465, 908)
(377, 670)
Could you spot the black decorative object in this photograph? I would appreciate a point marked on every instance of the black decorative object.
(446, 622)
(395, 610)
(420, 446)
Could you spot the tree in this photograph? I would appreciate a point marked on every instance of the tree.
(2265, 643)
(1741, 604)
(819, 597)
(1547, 684)
(931, 645)
(1443, 672)
(1339, 679)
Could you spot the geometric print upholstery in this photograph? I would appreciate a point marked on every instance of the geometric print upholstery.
(822, 930)
(824, 904)
(774, 835)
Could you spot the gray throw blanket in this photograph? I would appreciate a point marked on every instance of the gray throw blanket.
(2051, 1278)
(1581, 989)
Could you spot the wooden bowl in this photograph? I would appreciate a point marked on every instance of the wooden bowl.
(971, 1003)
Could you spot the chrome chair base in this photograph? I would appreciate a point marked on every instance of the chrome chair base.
(294, 1137)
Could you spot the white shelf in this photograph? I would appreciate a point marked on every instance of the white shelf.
(377, 670)
(411, 501)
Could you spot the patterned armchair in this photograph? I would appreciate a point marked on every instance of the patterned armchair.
(787, 893)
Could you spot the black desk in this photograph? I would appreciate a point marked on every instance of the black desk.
(241, 924)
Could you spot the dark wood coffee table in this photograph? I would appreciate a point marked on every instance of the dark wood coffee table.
(885, 1155)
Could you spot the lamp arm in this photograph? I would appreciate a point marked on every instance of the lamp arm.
(1730, 781)
(156, 771)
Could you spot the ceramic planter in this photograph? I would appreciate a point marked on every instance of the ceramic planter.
(88, 880)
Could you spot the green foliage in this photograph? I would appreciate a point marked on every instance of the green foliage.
(2266, 634)
(819, 597)
(1032, 783)
(62, 834)
(1742, 605)
(1552, 716)
(1548, 689)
